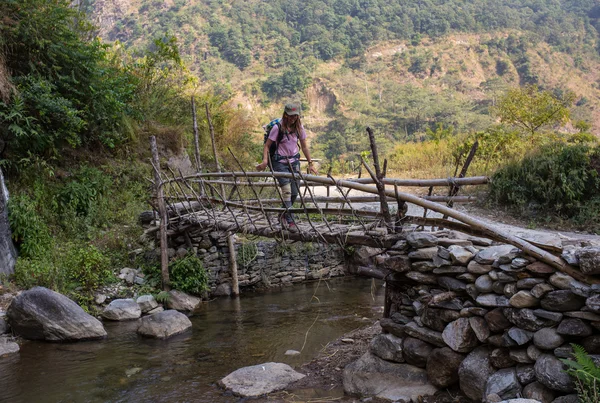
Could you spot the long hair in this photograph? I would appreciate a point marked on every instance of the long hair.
(290, 127)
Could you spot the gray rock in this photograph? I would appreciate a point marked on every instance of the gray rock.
(100, 299)
(553, 316)
(182, 302)
(122, 309)
(491, 254)
(541, 289)
(442, 367)
(510, 289)
(480, 327)
(164, 324)
(540, 268)
(443, 253)
(492, 300)
(504, 383)
(363, 255)
(421, 239)
(432, 318)
(566, 282)
(451, 283)
(473, 373)
(523, 299)
(222, 290)
(529, 283)
(589, 259)
(533, 352)
(567, 399)
(423, 266)
(260, 379)
(422, 277)
(496, 320)
(562, 301)
(592, 344)
(459, 255)
(593, 303)
(156, 310)
(520, 356)
(519, 263)
(591, 316)
(525, 319)
(520, 336)
(525, 374)
(146, 303)
(390, 326)
(570, 256)
(416, 352)
(422, 333)
(372, 376)
(424, 254)
(574, 327)
(473, 311)
(453, 270)
(484, 284)
(387, 347)
(500, 358)
(520, 400)
(477, 268)
(565, 351)
(550, 372)
(8, 347)
(42, 314)
(539, 392)
(459, 336)
(547, 339)
(4, 327)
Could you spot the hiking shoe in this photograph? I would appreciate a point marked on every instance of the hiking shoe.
(292, 227)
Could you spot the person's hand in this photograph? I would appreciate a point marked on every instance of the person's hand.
(313, 168)
(261, 167)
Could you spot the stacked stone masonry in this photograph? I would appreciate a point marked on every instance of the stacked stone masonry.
(484, 316)
(261, 264)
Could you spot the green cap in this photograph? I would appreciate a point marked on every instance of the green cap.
(292, 109)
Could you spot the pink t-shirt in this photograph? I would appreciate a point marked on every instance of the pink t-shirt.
(288, 146)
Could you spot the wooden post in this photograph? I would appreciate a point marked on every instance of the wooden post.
(162, 211)
(235, 287)
(196, 138)
(463, 172)
(379, 180)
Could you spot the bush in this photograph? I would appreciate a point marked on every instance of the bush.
(86, 266)
(560, 178)
(188, 275)
(29, 231)
(586, 374)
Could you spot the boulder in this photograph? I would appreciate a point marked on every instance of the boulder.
(547, 339)
(260, 379)
(442, 367)
(562, 301)
(537, 391)
(164, 324)
(146, 303)
(550, 372)
(416, 352)
(122, 309)
(459, 336)
(372, 376)
(387, 347)
(589, 259)
(503, 383)
(8, 347)
(42, 314)
(181, 301)
(421, 239)
(473, 373)
(222, 290)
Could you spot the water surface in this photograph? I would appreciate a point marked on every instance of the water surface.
(227, 334)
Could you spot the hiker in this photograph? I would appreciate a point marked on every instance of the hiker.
(286, 134)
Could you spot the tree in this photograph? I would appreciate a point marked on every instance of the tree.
(530, 108)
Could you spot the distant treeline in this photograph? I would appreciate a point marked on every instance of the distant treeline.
(326, 29)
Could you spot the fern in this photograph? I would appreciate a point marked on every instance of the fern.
(586, 374)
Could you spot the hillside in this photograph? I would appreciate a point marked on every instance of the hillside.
(399, 67)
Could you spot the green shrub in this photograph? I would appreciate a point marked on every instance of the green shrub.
(41, 271)
(29, 231)
(86, 266)
(586, 375)
(188, 275)
(560, 179)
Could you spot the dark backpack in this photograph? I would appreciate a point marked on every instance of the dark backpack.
(275, 144)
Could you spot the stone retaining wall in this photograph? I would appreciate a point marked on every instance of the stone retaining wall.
(261, 264)
(484, 316)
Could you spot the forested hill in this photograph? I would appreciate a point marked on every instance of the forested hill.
(402, 66)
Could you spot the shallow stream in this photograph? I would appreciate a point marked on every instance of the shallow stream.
(227, 334)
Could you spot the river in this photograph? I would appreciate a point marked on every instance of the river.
(227, 334)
